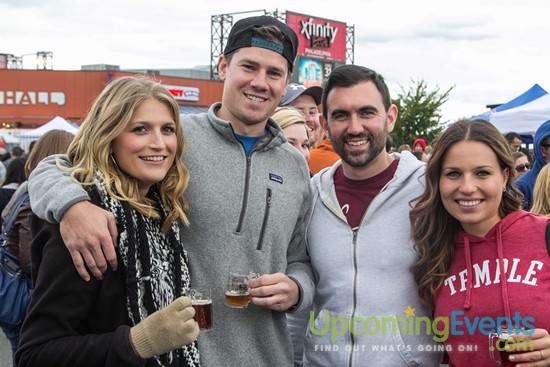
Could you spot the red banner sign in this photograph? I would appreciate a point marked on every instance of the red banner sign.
(319, 38)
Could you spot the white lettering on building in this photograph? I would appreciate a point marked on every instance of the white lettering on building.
(31, 98)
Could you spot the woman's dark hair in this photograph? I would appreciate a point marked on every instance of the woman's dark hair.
(15, 173)
(433, 228)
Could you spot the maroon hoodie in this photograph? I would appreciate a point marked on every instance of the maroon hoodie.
(476, 293)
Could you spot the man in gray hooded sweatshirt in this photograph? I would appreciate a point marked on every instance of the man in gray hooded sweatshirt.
(366, 304)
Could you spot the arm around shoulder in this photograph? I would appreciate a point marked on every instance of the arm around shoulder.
(53, 191)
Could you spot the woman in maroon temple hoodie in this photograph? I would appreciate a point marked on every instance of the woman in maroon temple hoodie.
(484, 263)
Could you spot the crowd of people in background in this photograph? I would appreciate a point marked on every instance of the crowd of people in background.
(19, 237)
(351, 236)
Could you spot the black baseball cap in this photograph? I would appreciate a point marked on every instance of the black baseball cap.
(295, 90)
(242, 35)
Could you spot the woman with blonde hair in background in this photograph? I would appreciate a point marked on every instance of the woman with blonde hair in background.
(295, 128)
(541, 192)
(127, 155)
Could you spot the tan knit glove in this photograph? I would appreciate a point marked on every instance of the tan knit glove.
(165, 330)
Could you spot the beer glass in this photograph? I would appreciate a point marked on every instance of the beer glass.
(237, 294)
(202, 303)
(497, 344)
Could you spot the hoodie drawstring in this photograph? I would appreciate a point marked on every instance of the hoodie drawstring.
(504, 284)
(469, 279)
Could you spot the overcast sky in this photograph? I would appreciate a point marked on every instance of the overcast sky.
(490, 51)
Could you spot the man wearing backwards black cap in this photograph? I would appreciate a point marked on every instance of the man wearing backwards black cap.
(306, 100)
(249, 196)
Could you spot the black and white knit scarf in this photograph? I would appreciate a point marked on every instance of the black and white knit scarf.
(156, 266)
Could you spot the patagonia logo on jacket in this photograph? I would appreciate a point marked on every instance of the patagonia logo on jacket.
(276, 178)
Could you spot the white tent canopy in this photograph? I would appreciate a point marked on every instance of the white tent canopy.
(524, 119)
(57, 123)
(9, 139)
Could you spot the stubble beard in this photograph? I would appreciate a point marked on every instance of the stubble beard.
(375, 145)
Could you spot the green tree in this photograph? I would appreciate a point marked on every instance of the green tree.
(419, 113)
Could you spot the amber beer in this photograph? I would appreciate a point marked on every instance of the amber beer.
(237, 299)
(237, 293)
(203, 313)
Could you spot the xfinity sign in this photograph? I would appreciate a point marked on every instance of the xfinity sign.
(319, 38)
(316, 33)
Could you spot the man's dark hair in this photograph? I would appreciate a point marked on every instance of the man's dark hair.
(17, 151)
(511, 136)
(351, 75)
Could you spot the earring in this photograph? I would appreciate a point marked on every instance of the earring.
(113, 159)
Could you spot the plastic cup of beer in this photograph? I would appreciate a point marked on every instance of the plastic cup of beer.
(202, 303)
(237, 294)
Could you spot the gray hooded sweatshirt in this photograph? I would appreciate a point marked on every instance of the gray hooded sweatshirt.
(363, 281)
(248, 213)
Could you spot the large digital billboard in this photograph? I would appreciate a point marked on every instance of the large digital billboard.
(319, 38)
(312, 72)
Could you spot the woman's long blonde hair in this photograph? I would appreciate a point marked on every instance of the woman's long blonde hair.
(90, 151)
(541, 192)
